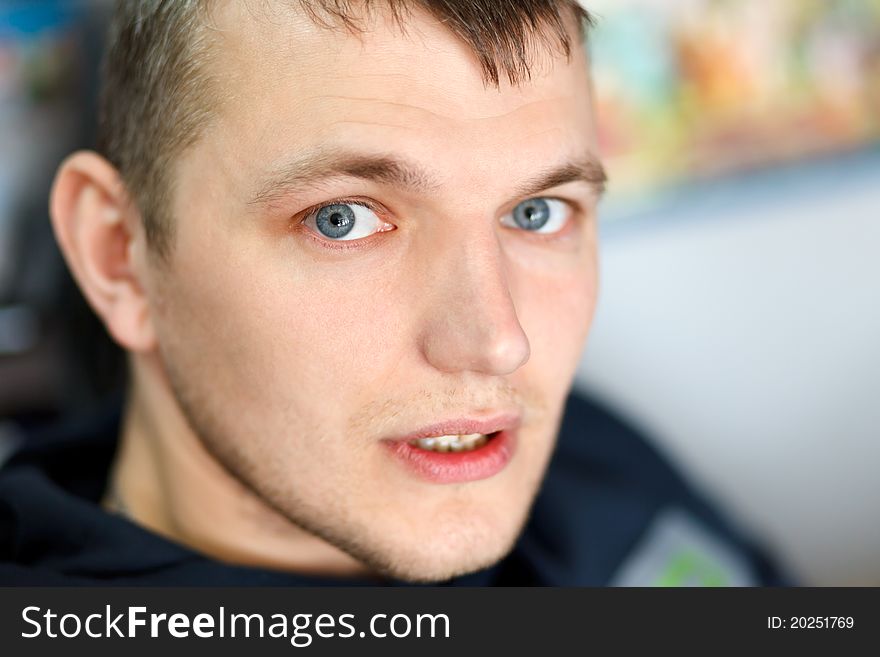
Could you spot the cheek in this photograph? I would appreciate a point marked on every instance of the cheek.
(336, 342)
(555, 292)
(556, 311)
(313, 343)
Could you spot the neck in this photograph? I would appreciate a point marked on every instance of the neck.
(166, 480)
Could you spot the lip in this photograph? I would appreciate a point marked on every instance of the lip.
(458, 467)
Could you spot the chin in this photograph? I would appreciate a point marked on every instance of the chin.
(450, 532)
(450, 547)
(435, 567)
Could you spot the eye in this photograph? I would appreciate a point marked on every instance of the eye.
(539, 215)
(344, 221)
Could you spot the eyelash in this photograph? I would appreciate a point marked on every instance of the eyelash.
(354, 245)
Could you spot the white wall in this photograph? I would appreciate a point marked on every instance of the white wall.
(741, 324)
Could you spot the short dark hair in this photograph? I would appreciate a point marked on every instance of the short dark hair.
(156, 97)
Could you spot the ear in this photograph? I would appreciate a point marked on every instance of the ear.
(99, 231)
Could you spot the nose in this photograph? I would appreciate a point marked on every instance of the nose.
(470, 322)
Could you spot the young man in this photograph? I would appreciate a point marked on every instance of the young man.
(350, 250)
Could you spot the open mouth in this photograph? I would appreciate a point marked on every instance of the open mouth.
(456, 458)
(454, 443)
(458, 450)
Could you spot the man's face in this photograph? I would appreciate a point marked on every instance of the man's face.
(298, 341)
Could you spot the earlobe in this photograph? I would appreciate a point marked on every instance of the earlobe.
(98, 230)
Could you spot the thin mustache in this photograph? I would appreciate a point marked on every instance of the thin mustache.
(428, 405)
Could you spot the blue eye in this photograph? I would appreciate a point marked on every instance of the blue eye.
(342, 221)
(539, 215)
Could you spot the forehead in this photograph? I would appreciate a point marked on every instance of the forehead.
(286, 84)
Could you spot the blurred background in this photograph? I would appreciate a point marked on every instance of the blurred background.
(740, 310)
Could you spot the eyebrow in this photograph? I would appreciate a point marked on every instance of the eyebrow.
(585, 169)
(310, 170)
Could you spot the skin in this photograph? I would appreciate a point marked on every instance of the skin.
(267, 366)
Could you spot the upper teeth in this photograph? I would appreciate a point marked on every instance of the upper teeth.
(453, 443)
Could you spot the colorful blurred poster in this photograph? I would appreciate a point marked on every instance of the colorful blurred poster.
(689, 89)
